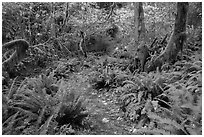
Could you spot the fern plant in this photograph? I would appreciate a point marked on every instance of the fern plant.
(71, 109)
(37, 106)
(184, 116)
(35, 111)
(188, 108)
(108, 78)
(43, 82)
(164, 103)
(137, 92)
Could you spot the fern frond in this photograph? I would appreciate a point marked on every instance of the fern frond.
(10, 122)
(129, 82)
(22, 86)
(26, 106)
(32, 100)
(146, 131)
(71, 109)
(27, 112)
(166, 121)
(12, 91)
(31, 96)
(194, 131)
(36, 83)
(44, 128)
(172, 123)
(40, 117)
(20, 128)
(128, 96)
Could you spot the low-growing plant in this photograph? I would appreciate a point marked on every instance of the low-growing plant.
(108, 78)
(162, 103)
(72, 109)
(138, 90)
(36, 111)
(184, 117)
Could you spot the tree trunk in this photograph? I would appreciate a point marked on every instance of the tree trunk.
(139, 22)
(136, 21)
(180, 26)
(142, 24)
(176, 41)
(66, 15)
(53, 33)
(29, 26)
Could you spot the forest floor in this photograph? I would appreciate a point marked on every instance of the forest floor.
(105, 115)
(102, 104)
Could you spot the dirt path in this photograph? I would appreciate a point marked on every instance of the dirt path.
(105, 116)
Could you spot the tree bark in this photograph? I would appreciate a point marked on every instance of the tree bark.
(53, 33)
(180, 26)
(139, 22)
(176, 41)
(142, 24)
(136, 21)
(66, 15)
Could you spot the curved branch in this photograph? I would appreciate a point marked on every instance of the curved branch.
(20, 46)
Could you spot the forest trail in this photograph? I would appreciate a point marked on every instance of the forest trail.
(105, 115)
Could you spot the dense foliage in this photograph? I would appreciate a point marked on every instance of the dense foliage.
(58, 89)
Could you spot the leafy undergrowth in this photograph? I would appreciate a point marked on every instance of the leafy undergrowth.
(42, 105)
(54, 90)
(101, 96)
(167, 102)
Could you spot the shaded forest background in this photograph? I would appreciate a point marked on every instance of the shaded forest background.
(81, 70)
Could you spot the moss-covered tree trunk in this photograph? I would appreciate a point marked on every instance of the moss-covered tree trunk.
(176, 41)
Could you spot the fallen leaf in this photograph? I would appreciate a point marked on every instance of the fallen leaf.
(105, 120)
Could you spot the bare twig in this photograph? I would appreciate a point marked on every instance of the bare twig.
(112, 7)
(162, 42)
(153, 42)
